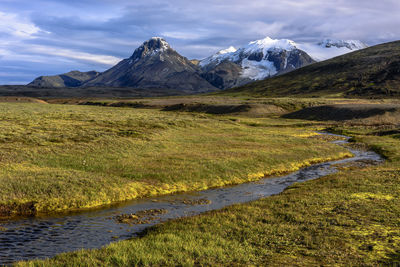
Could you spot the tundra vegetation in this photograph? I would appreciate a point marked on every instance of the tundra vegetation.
(69, 156)
(63, 157)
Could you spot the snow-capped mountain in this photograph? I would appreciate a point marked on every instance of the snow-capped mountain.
(154, 65)
(257, 60)
(269, 57)
(218, 57)
(349, 44)
(329, 48)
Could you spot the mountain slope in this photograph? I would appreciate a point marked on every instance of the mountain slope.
(70, 79)
(330, 48)
(258, 60)
(370, 72)
(155, 65)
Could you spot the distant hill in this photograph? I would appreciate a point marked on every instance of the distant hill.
(370, 72)
(71, 79)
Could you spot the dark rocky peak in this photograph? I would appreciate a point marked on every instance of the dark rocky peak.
(151, 47)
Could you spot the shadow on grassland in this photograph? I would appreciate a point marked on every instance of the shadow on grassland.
(346, 112)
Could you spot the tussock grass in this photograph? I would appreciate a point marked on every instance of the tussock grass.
(61, 157)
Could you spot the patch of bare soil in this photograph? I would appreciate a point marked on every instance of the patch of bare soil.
(25, 209)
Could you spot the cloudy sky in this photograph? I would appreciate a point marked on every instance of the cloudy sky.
(46, 37)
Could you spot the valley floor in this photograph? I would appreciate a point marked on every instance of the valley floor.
(61, 157)
(349, 219)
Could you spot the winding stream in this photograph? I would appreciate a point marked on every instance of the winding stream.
(42, 237)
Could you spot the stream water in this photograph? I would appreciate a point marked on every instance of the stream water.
(42, 237)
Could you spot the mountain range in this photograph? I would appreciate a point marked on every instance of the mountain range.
(155, 65)
(256, 61)
(371, 72)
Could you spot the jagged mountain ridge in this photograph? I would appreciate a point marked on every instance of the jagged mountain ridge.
(269, 57)
(349, 44)
(258, 60)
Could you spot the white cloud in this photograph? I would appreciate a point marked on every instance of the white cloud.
(19, 74)
(265, 29)
(17, 27)
(182, 35)
(71, 54)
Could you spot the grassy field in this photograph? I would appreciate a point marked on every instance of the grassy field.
(63, 157)
(348, 219)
